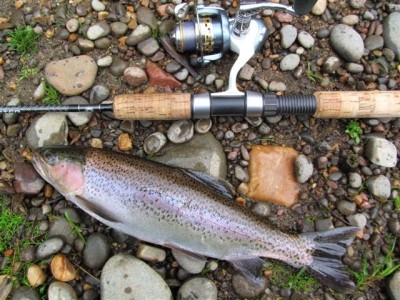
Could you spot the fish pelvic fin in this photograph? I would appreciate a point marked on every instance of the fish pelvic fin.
(327, 264)
(250, 268)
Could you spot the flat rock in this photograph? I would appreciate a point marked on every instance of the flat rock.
(49, 247)
(78, 118)
(202, 153)
(272, 175)
(125, 277)
(148, 47)
(26, 179)
(305, 39)
(198, 288)
(288, 36)
(381, 152)
(71, 76)
(50, 129)
(347, 42)
(138, 35)
(192, 264)
(158, 77)
(151, 253)
(145, 16)
(99, 30)
(391, 32)
(97, 250)
(246, 73)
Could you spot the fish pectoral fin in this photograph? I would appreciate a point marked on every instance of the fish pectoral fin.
(217, 184)
(89, 207)
(250, 268)
(176, 252)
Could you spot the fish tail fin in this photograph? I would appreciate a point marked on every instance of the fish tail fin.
(327, 264)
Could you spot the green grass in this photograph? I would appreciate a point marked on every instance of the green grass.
(10, 224)
(285, 276)
(372, 272)
(51, 96)
(396, 202)
(75, 228)
(354, 130)
(23, 40)
(27, 72)
(312, 75)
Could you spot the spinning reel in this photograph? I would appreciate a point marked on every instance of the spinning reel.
(210, 33)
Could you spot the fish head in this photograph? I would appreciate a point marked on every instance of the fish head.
(62, 167)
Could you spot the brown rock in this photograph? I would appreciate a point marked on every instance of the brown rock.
(271, 170)
(72, 76)
(158, 77)
(35, 276)
(6, 189)
(62, 269)
(283, 17)
(124, 142)
(26, 179)
(135, 76)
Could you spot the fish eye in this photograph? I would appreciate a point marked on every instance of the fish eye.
(49, 157)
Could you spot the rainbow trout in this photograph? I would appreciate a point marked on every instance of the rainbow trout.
(187, 211)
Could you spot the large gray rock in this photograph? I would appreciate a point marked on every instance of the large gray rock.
(71, 76)
(50, 129)
(97, 250)
(347, 42)
(394, 286)
(125, 277)
(202, 153)
(391, 32)
(379, 186)
(381, 152)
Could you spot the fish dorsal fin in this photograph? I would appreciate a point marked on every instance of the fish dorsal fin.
(221, 186)
(96, 210)
(250, 268)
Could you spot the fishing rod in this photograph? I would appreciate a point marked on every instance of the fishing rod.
(208, 35)
(175, 106)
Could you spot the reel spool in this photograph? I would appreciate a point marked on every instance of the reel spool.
(207, 35)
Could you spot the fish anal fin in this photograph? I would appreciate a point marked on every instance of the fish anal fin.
(181, 255)
(221, 186)
(250, 269)
(90, 208)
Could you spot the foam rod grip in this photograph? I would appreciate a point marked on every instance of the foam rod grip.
(368, 104)
(168, 106)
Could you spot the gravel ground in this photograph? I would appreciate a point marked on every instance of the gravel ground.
(341, 45)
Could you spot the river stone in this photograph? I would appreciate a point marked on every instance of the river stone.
(391, 32)
(26, 179)
(25, 293)
(154, 143)
(104, 61)
(97, 250)
(357, 3)
(98, 30)
(331, 64)
(288, 36)
(62, 229)
(374, 42)
(11, 118)
(347, 42)
(139, 34)
(202, 153)
(355, 180)
(145, 16)
(181, 131)
(346, 208)
(118, 29)
(61, 291)
(126, 277)
(319, 7)
(50, 129)
(135, 76)
(151, 253)
(198, 288)
(148, 47)
(78, 118)
(379, 186)
(303, 168)
(381, 152)
(305, 39)
(98, 5)
(192, 264)
(393, 286)
(71, 76)
(247, 289)
(118, 66)
(49, 247)
(99, 93)
(350, 20)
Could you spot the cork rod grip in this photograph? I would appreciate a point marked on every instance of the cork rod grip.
(368, 104)
(168, 106)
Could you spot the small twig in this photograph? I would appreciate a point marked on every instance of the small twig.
(87, 272)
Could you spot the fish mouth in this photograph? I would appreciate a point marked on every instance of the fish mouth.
(39, 165)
